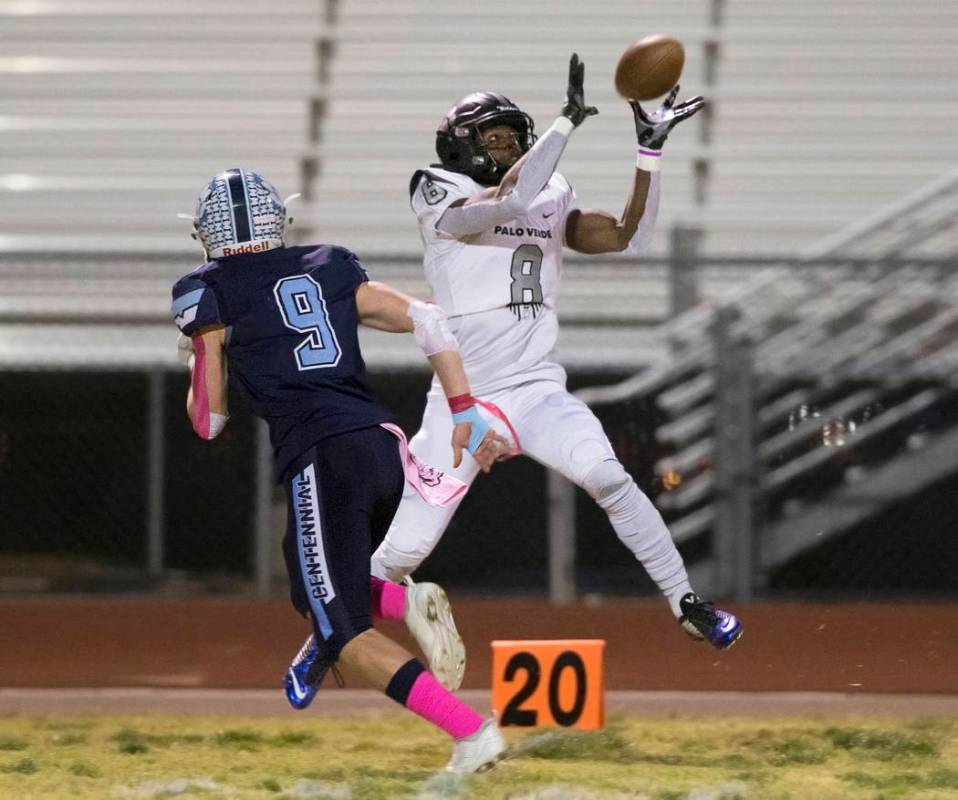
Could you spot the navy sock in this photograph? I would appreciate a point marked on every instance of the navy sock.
(400, 685)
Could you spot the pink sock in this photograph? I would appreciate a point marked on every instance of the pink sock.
(434, 703)
(388, 600)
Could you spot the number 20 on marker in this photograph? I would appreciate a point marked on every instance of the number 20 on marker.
(549, 683)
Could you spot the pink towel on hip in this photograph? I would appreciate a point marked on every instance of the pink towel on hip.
(435, 487)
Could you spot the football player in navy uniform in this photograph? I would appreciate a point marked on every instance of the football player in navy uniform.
(283, 321)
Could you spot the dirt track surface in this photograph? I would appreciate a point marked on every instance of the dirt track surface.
(335, 702)
(853, 649)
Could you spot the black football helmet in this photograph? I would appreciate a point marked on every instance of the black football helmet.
(460, 147)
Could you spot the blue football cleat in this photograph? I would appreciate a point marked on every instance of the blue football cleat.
(305, 674)
(702, 620)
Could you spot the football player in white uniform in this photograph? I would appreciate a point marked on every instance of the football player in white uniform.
(493, 221)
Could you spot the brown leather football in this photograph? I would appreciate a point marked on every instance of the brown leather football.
(649, 68)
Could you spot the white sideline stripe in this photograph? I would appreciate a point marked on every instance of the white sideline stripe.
(362, 702)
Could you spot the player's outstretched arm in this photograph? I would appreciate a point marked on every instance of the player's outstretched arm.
(593, 231)
(387, 309)
(206, 399)
(527, 177)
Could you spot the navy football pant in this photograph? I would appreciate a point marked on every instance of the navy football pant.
(341, 495)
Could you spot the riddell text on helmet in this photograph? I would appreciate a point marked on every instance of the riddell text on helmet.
(252, 247)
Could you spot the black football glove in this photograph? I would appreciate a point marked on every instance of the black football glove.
(653, 129)
(575, 108)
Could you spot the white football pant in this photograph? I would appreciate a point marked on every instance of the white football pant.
(561, 432)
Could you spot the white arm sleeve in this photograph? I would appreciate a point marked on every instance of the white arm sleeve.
(534, 173)
(641, 240)
(431, 329)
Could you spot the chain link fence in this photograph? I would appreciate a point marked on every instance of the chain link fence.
(869, 520)
(77, 484)
(76, 489)
(804, 436)
(845, 401)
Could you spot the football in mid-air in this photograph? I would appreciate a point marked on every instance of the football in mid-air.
(649, 67)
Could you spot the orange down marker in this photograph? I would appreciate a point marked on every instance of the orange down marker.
(539, 684)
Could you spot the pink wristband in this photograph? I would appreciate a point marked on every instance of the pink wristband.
(461, 402)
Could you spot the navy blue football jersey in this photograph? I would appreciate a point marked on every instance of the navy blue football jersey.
(291, 340)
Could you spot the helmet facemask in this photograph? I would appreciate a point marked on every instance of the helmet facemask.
(459, 141)
(510, 146)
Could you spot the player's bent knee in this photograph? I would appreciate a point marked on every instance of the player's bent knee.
(607, 481)
(383, 567)
(392, 564)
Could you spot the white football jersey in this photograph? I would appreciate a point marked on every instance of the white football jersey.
(500, 288)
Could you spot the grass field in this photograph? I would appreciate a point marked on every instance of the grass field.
(393, 756)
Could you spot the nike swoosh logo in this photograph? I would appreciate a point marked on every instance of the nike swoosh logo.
(298, 690)
(546, 216)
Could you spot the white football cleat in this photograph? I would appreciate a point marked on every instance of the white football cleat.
(429, 619)
(480, 751)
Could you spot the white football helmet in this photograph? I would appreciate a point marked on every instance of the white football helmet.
(238, 212)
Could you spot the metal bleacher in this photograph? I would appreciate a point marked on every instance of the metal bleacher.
(826, 154)
(853, 357)
(115, 114)
(820, 112)
(399, 66)
(397, 69)
(824, 112)
(117, 111)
